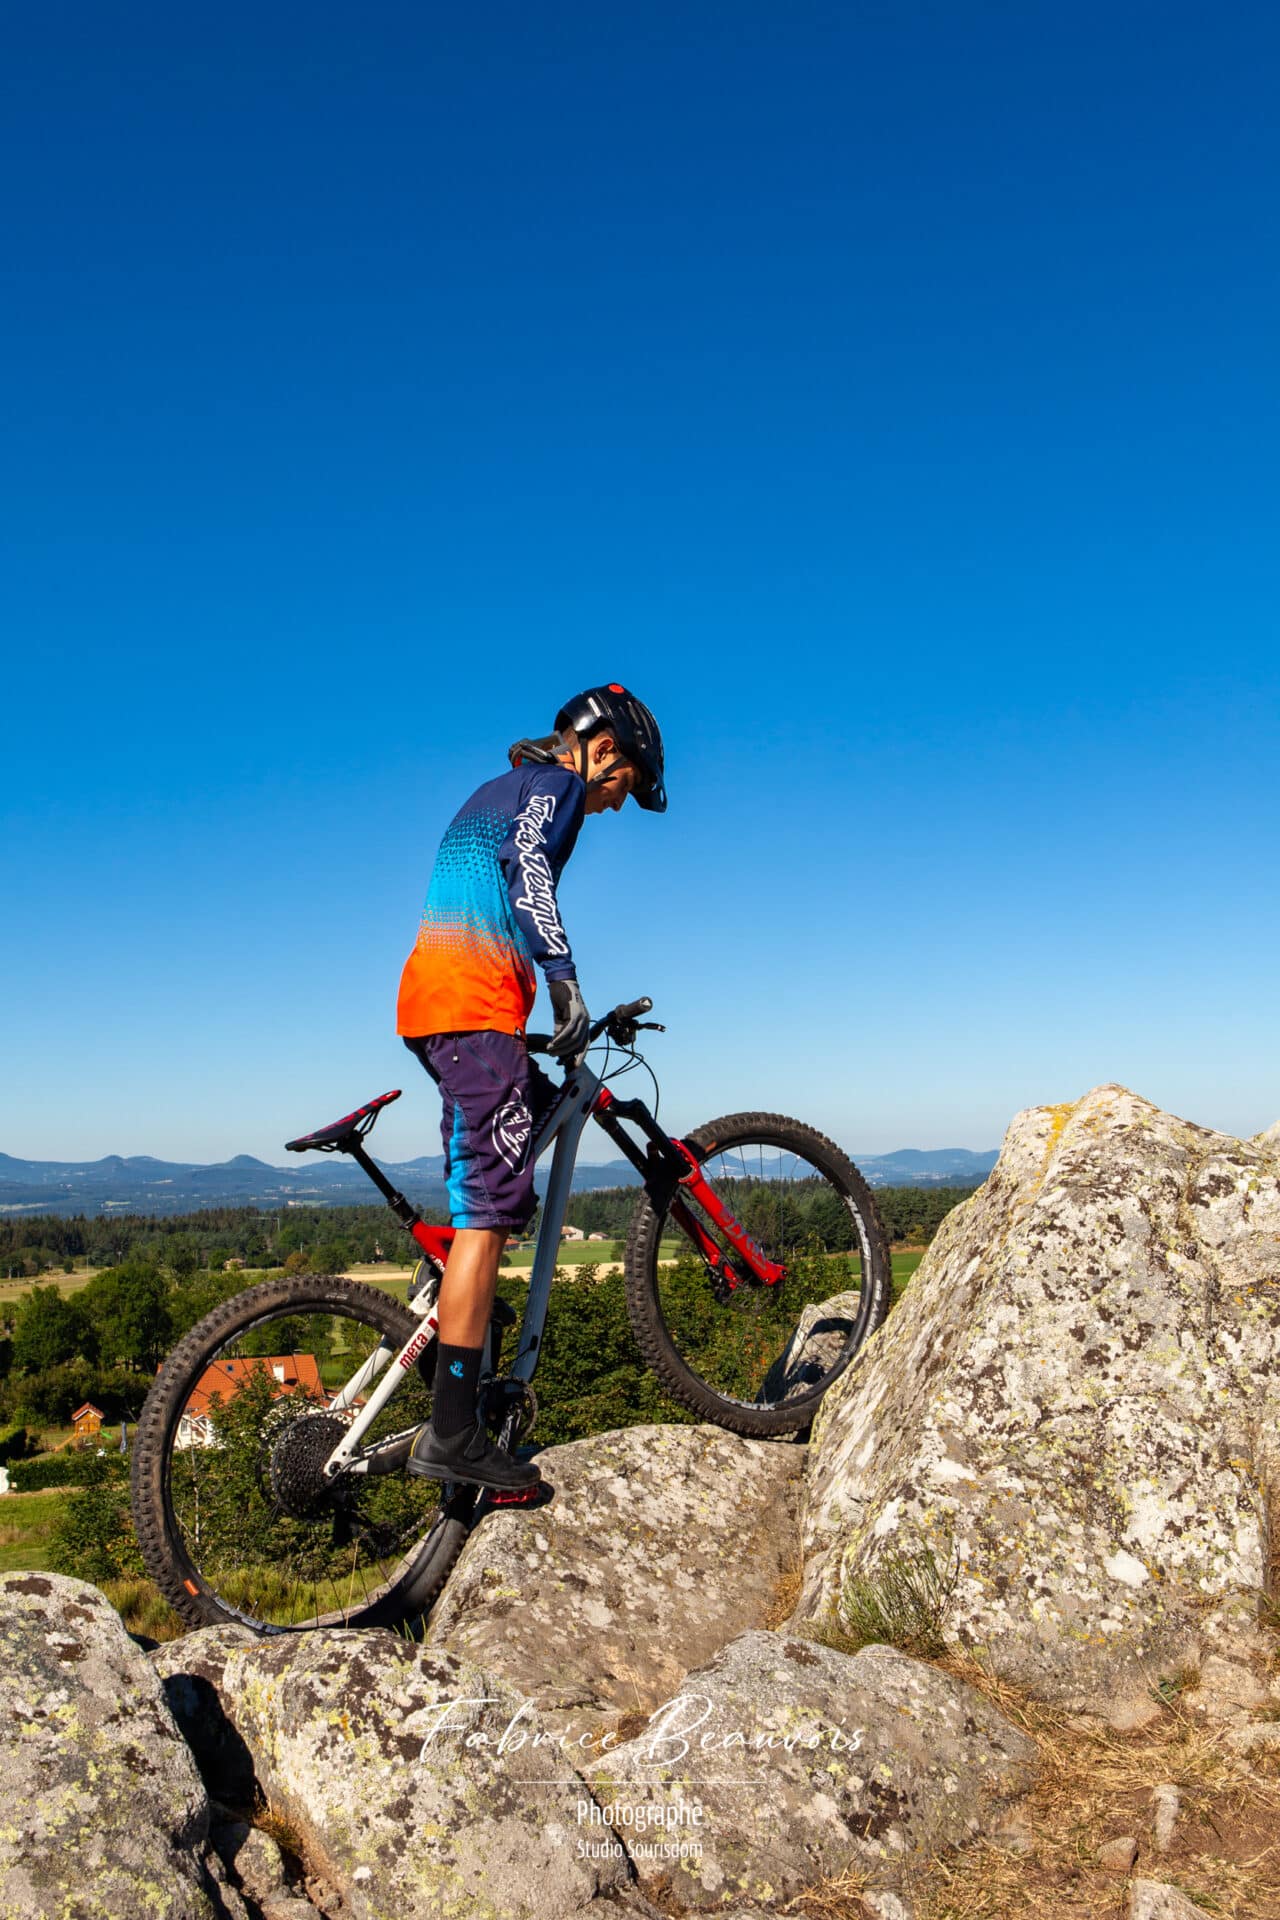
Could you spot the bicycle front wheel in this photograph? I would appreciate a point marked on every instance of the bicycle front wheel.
(233, 1515)
(758, 1358)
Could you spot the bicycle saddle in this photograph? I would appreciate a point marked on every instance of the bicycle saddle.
(338, 1137)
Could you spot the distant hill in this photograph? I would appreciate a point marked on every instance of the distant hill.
(141, 1184)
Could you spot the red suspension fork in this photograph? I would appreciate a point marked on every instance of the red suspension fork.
(750, 1250)
(673, 1154)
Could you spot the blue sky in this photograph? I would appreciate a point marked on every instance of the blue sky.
(889, 394)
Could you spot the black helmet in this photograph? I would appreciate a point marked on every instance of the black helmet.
(634, 729)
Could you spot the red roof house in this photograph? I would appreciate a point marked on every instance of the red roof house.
(221, 1382)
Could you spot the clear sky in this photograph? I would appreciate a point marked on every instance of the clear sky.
(889, 393)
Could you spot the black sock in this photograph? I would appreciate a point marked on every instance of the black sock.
(457, 1375)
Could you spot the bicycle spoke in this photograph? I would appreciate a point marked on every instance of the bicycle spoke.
(262, 1528)
(754, 1344)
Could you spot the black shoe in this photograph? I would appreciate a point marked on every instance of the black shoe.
(469, 1455)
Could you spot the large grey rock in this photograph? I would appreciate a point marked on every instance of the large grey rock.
(1077, 1396)
(414, 1779)
(782, 1761)
(192, 1669)
(660, 1544)
(102, 1813)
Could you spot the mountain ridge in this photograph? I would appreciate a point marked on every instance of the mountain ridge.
(141, 1183)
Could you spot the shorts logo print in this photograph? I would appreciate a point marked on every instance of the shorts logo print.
(512, 1126)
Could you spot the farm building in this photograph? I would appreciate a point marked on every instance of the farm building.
(86, 1423)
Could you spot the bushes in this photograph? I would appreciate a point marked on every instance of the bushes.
(93, 1537)
(14, 1443)
(66, 1469)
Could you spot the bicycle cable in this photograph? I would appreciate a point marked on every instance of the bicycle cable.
(633, 1058)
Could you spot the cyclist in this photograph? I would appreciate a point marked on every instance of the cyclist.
(466, 991)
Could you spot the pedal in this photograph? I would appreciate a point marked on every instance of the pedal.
(537, 1496)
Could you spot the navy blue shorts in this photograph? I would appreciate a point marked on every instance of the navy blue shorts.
(494, 1097)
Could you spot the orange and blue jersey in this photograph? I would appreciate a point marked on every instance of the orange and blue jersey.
(491, 910)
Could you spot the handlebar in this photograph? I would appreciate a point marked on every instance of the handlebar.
(621, 1023)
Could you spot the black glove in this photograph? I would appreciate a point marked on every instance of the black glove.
(572, 1019)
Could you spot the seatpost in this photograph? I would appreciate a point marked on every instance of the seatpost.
(405, 1213)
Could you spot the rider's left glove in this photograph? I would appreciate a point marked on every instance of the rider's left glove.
(573, 1022)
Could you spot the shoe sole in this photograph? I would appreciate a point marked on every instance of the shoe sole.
(428, 1470)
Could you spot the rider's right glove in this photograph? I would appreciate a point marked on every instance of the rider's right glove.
(573, 1022)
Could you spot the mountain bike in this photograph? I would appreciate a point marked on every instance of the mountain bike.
(268, 1480)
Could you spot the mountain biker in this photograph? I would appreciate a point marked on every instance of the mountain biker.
(466, 991)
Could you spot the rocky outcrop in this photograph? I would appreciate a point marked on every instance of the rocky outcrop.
(102, 1813)
(1075, 1407)
(661, 1543)
(417, 1782)
(1061, 1449)
(782, 1762)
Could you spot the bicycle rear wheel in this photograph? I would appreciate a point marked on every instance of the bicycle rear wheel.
(232, 1513)
(758, 1358)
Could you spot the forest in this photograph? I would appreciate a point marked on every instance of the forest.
(334, 1238)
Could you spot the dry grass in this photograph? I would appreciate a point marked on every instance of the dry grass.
(144, 1609)
(839, 1898)
(288, 1836)
(786, 1593)
(1095, 1785)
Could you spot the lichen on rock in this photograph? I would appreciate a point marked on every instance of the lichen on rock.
(102, 1813)
(1071, 1399)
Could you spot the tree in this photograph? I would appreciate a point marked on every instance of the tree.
(183, 1261)
(47, 1333)
(129, 1306)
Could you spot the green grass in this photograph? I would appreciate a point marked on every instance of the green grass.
(25, 1522)
(902, 1603)
(580, 1253)
(904, 1265)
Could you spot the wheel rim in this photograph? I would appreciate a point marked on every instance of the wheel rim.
(260, 1531)
(764, 1346)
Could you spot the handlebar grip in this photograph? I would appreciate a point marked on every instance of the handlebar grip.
(632, 1012)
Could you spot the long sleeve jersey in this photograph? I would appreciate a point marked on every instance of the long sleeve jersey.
(491, 909)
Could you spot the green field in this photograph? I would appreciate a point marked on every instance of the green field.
(25, 1520)
(904, 1265)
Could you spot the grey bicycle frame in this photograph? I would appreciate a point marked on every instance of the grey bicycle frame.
(563, 1123)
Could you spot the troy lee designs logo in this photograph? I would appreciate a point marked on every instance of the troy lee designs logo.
(538, 895)
(512, 1125)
